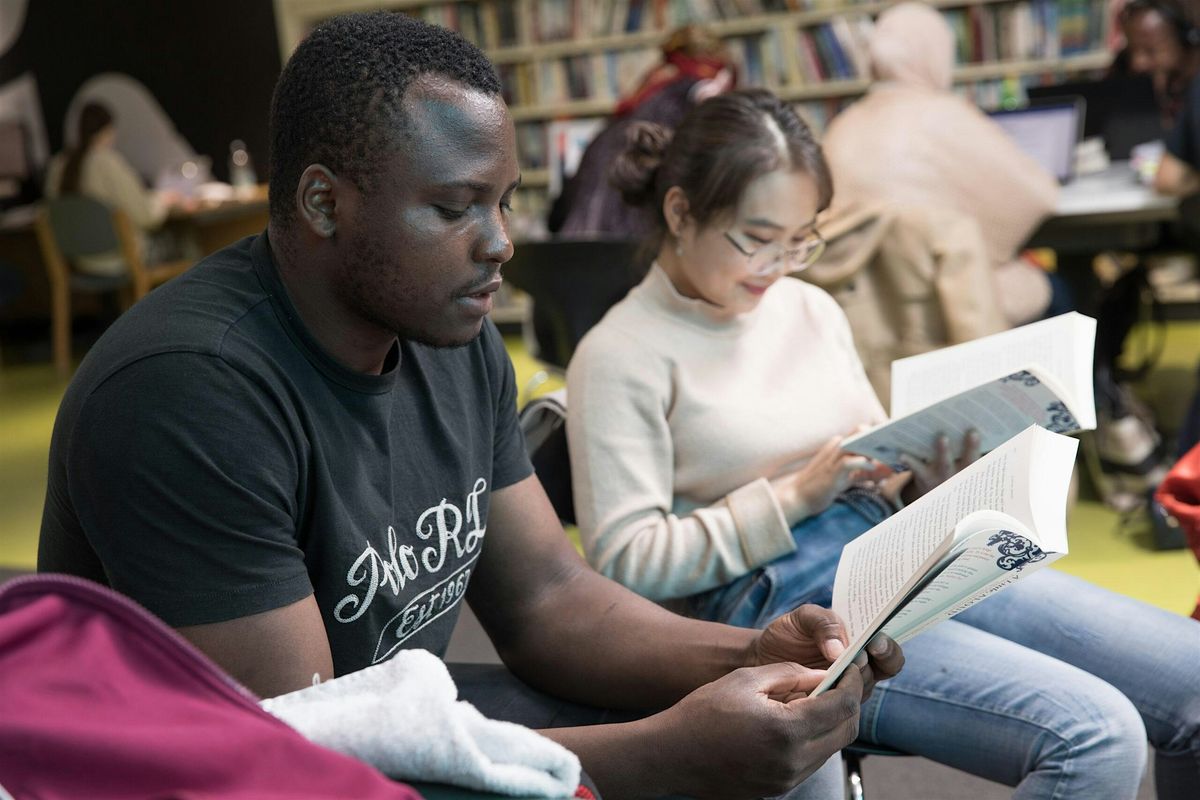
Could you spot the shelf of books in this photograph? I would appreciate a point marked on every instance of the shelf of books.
(570, 59)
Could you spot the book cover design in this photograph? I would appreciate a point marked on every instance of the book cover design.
(997, 520)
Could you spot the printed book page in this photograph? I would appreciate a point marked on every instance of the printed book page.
(938, 543)
(997, 410)
(1060, 347)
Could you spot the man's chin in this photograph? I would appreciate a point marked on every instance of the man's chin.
(444, 340)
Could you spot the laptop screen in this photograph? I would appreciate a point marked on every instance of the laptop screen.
(1048, 133)
(1122, 110)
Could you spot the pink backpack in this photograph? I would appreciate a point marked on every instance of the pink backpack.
(100, 699)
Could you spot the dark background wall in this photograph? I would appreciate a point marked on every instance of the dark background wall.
(211, 64)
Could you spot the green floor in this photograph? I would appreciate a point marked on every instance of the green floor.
(1101, 550)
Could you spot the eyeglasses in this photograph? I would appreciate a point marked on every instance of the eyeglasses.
(774, 256)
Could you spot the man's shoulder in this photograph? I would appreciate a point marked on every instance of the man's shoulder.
(216, 308)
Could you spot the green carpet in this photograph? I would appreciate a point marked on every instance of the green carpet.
(1101, 550)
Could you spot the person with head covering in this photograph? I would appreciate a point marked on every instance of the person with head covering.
(93, 167)
(910, 141)
(695, 66)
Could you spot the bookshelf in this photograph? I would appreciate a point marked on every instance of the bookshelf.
(573, 58)
(569, 59)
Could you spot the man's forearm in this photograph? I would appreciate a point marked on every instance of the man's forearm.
(631, 654)
(624, 760)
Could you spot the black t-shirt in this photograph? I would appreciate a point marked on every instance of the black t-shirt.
(211, 461)
(1183, 141)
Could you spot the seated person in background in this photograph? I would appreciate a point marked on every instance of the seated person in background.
(1162, 39)
(706, 412)
(304, 452)
(695, 66)
(94, 168)
(1179, 171)
(911, 141)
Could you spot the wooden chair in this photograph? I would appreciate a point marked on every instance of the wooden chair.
(72, 226)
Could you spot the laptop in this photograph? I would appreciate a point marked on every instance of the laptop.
(1048, 132)
(1122, 110)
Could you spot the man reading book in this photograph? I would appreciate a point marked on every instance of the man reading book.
(304, 453)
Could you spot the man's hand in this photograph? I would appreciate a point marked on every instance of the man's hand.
(815, 637)
(927, 476)
(740, 736)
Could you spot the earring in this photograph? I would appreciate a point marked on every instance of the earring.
(678, 250)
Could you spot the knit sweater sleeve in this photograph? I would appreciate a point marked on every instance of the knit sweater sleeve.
(622, 460)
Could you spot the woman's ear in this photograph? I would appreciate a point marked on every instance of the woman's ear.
(316, 200)
(676, 211)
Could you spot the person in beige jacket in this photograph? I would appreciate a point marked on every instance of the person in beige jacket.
(94, 168)
(913, 142)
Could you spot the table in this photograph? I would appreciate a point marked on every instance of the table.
(211, 225)
(1109, 210)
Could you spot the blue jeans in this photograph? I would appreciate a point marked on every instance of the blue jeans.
(1052, 686)
(803, 576)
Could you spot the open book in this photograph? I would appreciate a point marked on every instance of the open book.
(1038, 374)
(994, 522)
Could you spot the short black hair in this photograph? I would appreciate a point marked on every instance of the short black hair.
(338, 100)
(1179, 14)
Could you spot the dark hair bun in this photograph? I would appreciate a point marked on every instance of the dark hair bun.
(634, 172)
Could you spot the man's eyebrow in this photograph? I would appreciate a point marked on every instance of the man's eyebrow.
(476, 186)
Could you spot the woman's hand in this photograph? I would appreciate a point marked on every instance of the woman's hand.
(925, 476)
(810, 489)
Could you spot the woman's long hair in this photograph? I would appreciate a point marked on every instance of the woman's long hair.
(93, 119)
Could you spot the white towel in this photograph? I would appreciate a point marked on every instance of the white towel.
(402, 717)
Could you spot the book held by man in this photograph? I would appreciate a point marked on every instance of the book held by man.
(1038, 374)
(994, 522)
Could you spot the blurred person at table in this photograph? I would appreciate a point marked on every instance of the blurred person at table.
(695, 66)
(911, 141)
(1163, 40)
(94, 168)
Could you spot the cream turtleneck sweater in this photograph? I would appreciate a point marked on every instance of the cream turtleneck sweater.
(679, 417)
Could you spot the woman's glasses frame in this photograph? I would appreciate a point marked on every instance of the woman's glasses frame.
(767, 259)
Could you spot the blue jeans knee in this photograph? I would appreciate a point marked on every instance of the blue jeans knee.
(1101, 745)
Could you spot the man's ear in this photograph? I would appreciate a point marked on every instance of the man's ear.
(675, 211)
(316, 200)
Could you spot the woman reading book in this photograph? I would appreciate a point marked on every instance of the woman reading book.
(706, 412)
